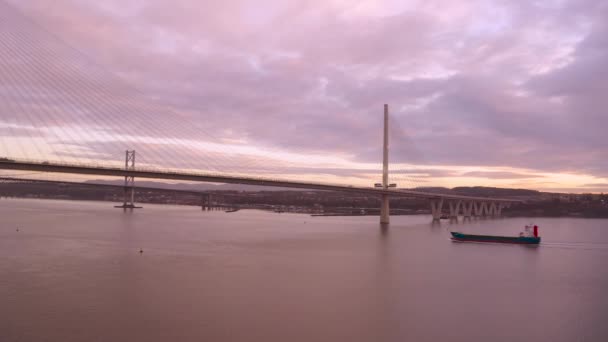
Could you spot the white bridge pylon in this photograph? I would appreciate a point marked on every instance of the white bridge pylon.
(385, 208)
(470, 208)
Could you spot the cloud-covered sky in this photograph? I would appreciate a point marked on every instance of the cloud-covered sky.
(488, 92)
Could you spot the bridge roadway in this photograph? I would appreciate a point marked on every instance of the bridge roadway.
(216, 178)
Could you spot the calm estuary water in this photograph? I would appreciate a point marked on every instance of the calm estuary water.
(73, 272)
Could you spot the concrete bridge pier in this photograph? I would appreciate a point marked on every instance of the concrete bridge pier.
(385, 210)
(454, 209)
(487, 210)
(493, 212)
(205, 202)
(384, 206)
(436, 207)
(467, 210)
(476, 209)
(483, 210)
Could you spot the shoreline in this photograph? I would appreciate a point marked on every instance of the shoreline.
(281, 209)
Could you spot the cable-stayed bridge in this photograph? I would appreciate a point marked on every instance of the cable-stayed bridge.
(63, 113)
(469, 205)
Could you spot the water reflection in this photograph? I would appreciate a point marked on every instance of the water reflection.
(435, 224)
(384, 229)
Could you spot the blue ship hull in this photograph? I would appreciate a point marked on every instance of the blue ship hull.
(522, 240)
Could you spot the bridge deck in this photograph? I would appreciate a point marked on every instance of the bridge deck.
(217, 178)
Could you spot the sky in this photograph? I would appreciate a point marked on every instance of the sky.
(490, 93)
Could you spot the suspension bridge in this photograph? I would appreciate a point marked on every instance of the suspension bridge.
(63, 113)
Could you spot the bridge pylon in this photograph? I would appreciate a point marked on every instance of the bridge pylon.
(129, 188)
(385, 207)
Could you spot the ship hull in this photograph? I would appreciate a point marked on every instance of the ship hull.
(520, 240)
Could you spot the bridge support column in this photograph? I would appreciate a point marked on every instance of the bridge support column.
(385, 210)
(493, 210)
(204, 202)
(384, 207)
(485, 209)
(478, 209)
(454, 209)
(212, 202)
(467, 210)
(436, 206)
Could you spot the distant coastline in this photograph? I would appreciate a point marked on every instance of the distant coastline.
(537, 204)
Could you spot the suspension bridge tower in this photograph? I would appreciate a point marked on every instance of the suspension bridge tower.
(129, 188)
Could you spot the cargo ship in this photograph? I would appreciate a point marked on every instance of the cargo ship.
(528, 237)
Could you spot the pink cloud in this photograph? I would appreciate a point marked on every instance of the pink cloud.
(496, 83)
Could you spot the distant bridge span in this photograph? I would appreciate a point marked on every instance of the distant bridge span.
(469, 205)
(217, 178)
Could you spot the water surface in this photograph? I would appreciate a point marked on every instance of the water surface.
(73, 272)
